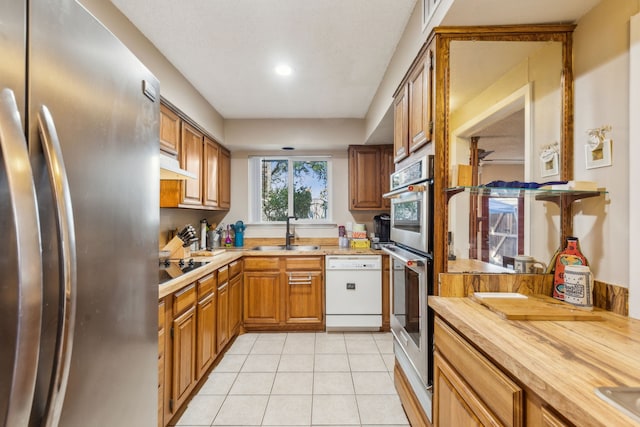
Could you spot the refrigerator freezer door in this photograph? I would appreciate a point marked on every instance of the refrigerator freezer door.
(108, 131)
(20, 281)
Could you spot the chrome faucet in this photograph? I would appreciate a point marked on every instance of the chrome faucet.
(289, 235)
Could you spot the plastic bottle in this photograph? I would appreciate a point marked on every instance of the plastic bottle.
(203, 233)
(571, 255)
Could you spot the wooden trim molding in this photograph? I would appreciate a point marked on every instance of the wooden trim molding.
(462, 285)
(412, 407)
(606, 296)
(612, 298)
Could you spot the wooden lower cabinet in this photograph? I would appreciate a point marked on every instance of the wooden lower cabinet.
(261, 299)
(283, 293)
(161, 359)
(470, 390)
(222, 325)
(206, 315)
(386, 295)
(183, 330)
(194, 326)
(235, 304)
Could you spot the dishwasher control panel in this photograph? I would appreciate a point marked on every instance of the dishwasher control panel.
(353, 262)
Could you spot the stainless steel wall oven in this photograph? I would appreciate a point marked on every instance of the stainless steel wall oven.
(411, 255)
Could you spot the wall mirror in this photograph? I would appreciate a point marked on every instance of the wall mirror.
(508, 118)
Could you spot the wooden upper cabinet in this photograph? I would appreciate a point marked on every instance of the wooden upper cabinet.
(191, 160)
(210, 180)
(401, 125)
(430, 105)
(364, 178)
(224, 179)
(368, 176)
(169, 131)
(388, 168)
(418, 106)
(199, 154)
(413, 107)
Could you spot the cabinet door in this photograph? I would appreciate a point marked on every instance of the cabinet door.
(161, 346)
(453, 403)
(430, 91)
(184, 356)
(235, 304)
(418, 107)
(486, 390)
(303, 297)
(388, 167)
(364, 178)
(169, 131)
(206, 341)
(224, 179)
(401, 126)
(211, 158)
(222, 324)
(261, 298)
(191, 160)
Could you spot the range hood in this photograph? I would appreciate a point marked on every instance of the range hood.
(170, 169)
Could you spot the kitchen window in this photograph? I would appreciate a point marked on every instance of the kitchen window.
(290, 185)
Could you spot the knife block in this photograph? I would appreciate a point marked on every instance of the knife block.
(176, 249)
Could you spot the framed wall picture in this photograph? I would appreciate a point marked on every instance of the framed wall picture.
(600, 156)
(549, 165)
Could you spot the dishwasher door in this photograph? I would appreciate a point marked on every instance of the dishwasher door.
(353, 292)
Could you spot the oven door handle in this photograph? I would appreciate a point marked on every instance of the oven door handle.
(413, 188)
(416, 263)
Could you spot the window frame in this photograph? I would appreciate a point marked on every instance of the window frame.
(255, 188)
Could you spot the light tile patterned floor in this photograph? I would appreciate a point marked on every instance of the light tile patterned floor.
(301, 379)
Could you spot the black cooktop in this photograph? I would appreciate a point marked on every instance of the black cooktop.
(170, 269)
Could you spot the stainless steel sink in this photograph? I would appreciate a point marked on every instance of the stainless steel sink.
(283, 248)
(626, 399)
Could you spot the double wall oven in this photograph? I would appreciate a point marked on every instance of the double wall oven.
(411, 255)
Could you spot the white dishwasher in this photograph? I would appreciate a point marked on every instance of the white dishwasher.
(353, 291)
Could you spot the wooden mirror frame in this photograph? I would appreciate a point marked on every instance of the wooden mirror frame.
(442, 37)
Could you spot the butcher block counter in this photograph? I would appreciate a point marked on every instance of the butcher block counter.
(551, 367)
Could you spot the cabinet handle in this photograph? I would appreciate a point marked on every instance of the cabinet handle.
(299, 280)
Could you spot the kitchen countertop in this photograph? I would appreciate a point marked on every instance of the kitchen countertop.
(232, 254)
(560, 361)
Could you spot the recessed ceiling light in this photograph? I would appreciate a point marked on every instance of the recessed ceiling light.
(283, 70)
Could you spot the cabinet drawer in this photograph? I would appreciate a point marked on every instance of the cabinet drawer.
(304, 263)
(223, 275)
(503, 397)
(184, 299)
(261, 263)
(206, 284)
(234, 269)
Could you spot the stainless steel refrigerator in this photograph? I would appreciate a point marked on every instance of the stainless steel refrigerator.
(79, 217)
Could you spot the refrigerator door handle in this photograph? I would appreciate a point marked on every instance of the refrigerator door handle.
(68, 268)
(24, 205)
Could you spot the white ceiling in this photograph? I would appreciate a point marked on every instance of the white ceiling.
(339, 49)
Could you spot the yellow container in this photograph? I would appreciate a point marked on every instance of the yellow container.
(360, 243)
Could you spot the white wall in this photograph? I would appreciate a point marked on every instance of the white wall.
(326, 134)
(601, 51)
(173, 86)
(408, 47)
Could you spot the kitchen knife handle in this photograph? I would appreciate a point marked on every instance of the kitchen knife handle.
(68, 265)
(24, 205)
